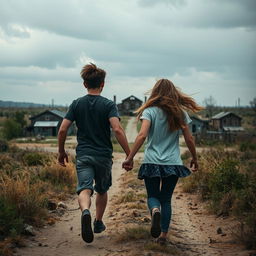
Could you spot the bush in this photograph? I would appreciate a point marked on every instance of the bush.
(3, 146)
(10, 222)
(225, 178)
(11, 129)
(246, 146)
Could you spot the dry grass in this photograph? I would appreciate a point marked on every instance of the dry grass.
(59, 175)
(138, 206)
(28, 180)
(28, 199)
(161, 248)
(133, 233)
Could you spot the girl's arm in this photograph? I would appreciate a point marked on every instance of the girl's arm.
(191, 146)
(143, 133)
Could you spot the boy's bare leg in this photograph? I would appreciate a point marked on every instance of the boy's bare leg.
(84, 199)
(101, 203)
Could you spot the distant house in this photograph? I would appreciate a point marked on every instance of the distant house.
(48, 123)
(198, 125)
(129, 105)
(227, 122)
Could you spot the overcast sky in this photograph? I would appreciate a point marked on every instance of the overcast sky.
(206, 47)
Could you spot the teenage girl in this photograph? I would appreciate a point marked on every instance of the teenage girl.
(162, 116)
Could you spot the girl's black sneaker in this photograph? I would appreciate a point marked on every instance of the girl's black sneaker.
(155, 224)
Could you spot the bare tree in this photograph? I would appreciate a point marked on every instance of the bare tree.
(209, 104)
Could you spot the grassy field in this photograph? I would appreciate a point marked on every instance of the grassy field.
(29, 181)
(227, 181)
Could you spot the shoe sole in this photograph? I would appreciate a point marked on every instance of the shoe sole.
(87, 233)
(155, 225)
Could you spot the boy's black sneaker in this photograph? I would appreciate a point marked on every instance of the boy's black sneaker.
(86, 226)
(98, 226)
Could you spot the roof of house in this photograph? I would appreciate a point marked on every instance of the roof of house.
(223, 114)
(58, 113)
(132, 97)
(199, 119)
(54, 112)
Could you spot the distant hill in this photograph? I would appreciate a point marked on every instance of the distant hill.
(14, 104)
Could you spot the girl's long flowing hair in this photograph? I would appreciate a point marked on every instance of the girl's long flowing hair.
(172, 101)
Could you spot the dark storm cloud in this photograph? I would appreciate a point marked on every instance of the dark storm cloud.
(135, 41)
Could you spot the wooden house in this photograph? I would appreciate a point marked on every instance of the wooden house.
(198, 125)
(227, 122)
(129, 105)
(48, 123)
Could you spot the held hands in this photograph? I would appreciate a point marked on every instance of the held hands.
(127, 164)
(194, 165)
(62, 157)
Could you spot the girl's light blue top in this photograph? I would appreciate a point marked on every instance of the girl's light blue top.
(162, 145)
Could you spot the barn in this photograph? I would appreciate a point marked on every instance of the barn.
(129, 105)
(227, 122)
(48, 123)
(198, 125)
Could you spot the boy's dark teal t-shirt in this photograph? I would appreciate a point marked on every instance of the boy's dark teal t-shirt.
(91, 114)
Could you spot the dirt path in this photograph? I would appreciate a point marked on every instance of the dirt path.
(131, 129)
(194, 230)
(64, 237)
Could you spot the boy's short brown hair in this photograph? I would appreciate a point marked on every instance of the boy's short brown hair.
(92, 76)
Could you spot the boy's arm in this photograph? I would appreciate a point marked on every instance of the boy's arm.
(62, 134)
(119, 134)
(191, 146)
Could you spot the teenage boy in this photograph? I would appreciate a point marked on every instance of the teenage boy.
(94, 116)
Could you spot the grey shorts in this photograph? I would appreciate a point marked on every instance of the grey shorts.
(92, 169)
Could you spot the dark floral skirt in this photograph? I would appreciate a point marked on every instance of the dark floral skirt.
(157, 170)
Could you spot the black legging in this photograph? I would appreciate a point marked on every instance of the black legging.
(160, 197)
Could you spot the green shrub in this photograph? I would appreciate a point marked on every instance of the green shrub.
(10, 222)
(33, 158)
(246, 146)
(3, 146)
(225, 178)
(11, 129)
